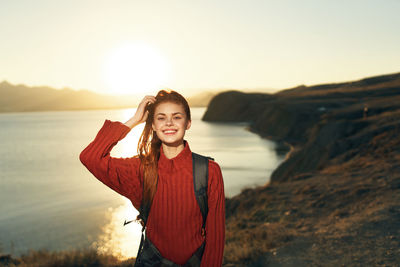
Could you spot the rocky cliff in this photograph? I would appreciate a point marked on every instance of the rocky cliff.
(336, 199)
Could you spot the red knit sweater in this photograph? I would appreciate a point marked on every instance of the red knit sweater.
(175, 220)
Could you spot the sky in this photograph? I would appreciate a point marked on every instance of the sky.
(137, 47)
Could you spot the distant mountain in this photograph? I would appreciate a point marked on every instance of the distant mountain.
(201, 99)
(19, 98)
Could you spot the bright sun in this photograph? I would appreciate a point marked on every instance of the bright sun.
(135, 68)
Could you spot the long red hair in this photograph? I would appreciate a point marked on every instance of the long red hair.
(149, 144)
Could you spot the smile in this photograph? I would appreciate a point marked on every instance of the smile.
(169, 132)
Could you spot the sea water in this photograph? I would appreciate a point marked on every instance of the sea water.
(49, 200)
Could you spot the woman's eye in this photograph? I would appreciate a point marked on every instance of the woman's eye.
(177, 117)
(160, 118)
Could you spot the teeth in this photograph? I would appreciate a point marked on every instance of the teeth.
(169, 131)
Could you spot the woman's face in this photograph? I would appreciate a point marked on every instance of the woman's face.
(170, 123)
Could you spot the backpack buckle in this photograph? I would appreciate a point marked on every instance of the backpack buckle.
(203, 232)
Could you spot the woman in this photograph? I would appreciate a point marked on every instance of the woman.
(161, 176)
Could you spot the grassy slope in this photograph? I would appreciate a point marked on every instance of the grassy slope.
(71, 258)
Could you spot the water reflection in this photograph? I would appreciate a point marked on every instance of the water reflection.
(116, 239)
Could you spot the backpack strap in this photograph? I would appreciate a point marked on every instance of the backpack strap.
(200, 184)
(145, 209)
(143, 214)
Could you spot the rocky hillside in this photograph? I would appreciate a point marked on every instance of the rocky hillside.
(335, 201)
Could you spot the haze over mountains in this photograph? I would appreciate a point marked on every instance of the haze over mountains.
(19, 98)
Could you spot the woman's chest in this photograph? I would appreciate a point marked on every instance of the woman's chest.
(175, 193)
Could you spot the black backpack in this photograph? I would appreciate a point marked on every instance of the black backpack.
(200, 183)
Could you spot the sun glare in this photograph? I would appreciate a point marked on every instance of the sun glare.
(135, 68)
(116, 239)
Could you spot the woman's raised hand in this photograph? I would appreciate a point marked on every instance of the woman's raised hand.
(141, 112)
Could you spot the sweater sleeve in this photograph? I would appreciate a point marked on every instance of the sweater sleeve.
(120, 174)
(215, 223)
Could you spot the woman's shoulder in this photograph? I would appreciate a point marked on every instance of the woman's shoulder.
(212, 162)
(213, 168)
(215, 180)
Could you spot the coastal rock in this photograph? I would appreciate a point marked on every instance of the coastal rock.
(235, 106)
(335, 200)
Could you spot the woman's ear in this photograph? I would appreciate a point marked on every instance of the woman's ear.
(189, 123)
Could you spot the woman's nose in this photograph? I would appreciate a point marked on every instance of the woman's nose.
(169, 121)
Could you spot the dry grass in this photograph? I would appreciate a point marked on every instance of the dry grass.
(68, 258)
(243, 245)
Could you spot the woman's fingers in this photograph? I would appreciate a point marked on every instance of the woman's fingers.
(149, 97)
(141, 112)
(146, 100)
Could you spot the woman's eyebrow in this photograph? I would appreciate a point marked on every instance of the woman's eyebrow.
(175, 113)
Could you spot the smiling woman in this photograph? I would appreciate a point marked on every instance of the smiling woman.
(135, 68)
(185, 191)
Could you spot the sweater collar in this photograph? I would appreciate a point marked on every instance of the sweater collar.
(179, 160)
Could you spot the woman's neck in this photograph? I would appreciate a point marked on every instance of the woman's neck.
(172, 151)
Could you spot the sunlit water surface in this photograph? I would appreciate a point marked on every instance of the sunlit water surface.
(50, 200)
